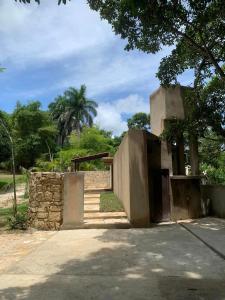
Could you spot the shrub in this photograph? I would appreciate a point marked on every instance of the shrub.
(18, 222)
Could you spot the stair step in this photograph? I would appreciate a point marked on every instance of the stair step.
(109, 223)
(90, 202)
(105, 215)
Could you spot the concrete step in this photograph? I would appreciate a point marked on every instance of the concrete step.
(92, 202)
(106, 223)
(91, 207)
(91, 196)
(94, 191)
(105, 215)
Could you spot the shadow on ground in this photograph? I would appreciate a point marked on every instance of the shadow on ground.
(159, 263)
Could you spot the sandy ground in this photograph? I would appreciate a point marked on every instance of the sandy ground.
(7, 198)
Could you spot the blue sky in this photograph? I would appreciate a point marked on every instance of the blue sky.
(48, 48)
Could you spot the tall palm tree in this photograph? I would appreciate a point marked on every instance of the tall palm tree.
(72, 111)
(58, 111)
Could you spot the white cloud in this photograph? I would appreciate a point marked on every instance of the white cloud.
(110, 114)
(85, 48)
(32, 33)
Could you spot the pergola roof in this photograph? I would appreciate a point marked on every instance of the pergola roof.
(89, 157)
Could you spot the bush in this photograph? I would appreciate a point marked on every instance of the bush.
(18, 222)
(213, 175)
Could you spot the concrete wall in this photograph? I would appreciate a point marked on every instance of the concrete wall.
(131, 177)
(73, 200)
(166, 103)
(185, 197)
(96, 179)
(213, 197)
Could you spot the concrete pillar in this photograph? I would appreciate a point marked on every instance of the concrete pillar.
(73, 200)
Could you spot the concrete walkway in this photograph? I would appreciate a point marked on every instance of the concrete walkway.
(211, 231)
(93, 218)
(164, 262)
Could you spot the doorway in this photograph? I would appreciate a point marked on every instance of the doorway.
(158, 182)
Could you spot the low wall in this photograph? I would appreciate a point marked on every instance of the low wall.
(186, 197)
(96, 179)
(213, 199)
(46, 200)
(130, 177)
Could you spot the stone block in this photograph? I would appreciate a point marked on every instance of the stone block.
(48, 196)
(55, 216)
(55, 208)
(42, 215)
(42, 209)
(39, 224)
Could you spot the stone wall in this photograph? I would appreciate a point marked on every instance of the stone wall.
(96, 180)
(46, 200)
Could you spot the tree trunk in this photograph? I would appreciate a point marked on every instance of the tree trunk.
(194, 156)
(14, 180)
(13, 167)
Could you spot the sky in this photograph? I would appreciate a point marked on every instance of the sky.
(47, 48)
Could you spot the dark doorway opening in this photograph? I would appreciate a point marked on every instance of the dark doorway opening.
(158, 182)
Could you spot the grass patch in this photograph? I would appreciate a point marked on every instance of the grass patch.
(5, 213)
(110, 203)
(6, 181)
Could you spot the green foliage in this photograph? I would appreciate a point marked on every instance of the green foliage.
(18, 222)
(91, 141)
(194, 28)
(39, 1)
(174, 129)
(72, 111)
(6, 216)
(139, 121)
(110, 203)
(212, 105)
(212, 157)
(6, 181)
(34, 134)
(5, 151)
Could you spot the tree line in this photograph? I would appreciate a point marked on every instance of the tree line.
(48, 140)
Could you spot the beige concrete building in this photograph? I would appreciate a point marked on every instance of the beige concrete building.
(149, 173)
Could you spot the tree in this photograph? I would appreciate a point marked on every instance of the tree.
(139, 121)
(195, 28)
(58, 110)
(5, 152)
(38, 1)
(34, 133)
(7, 132)
(212, 165)
(72, 111)
(91, 141)
(212, 105)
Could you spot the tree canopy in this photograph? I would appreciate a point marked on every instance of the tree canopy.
(139, 120)
(38, 1)
(72, 110)
(194, 28)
